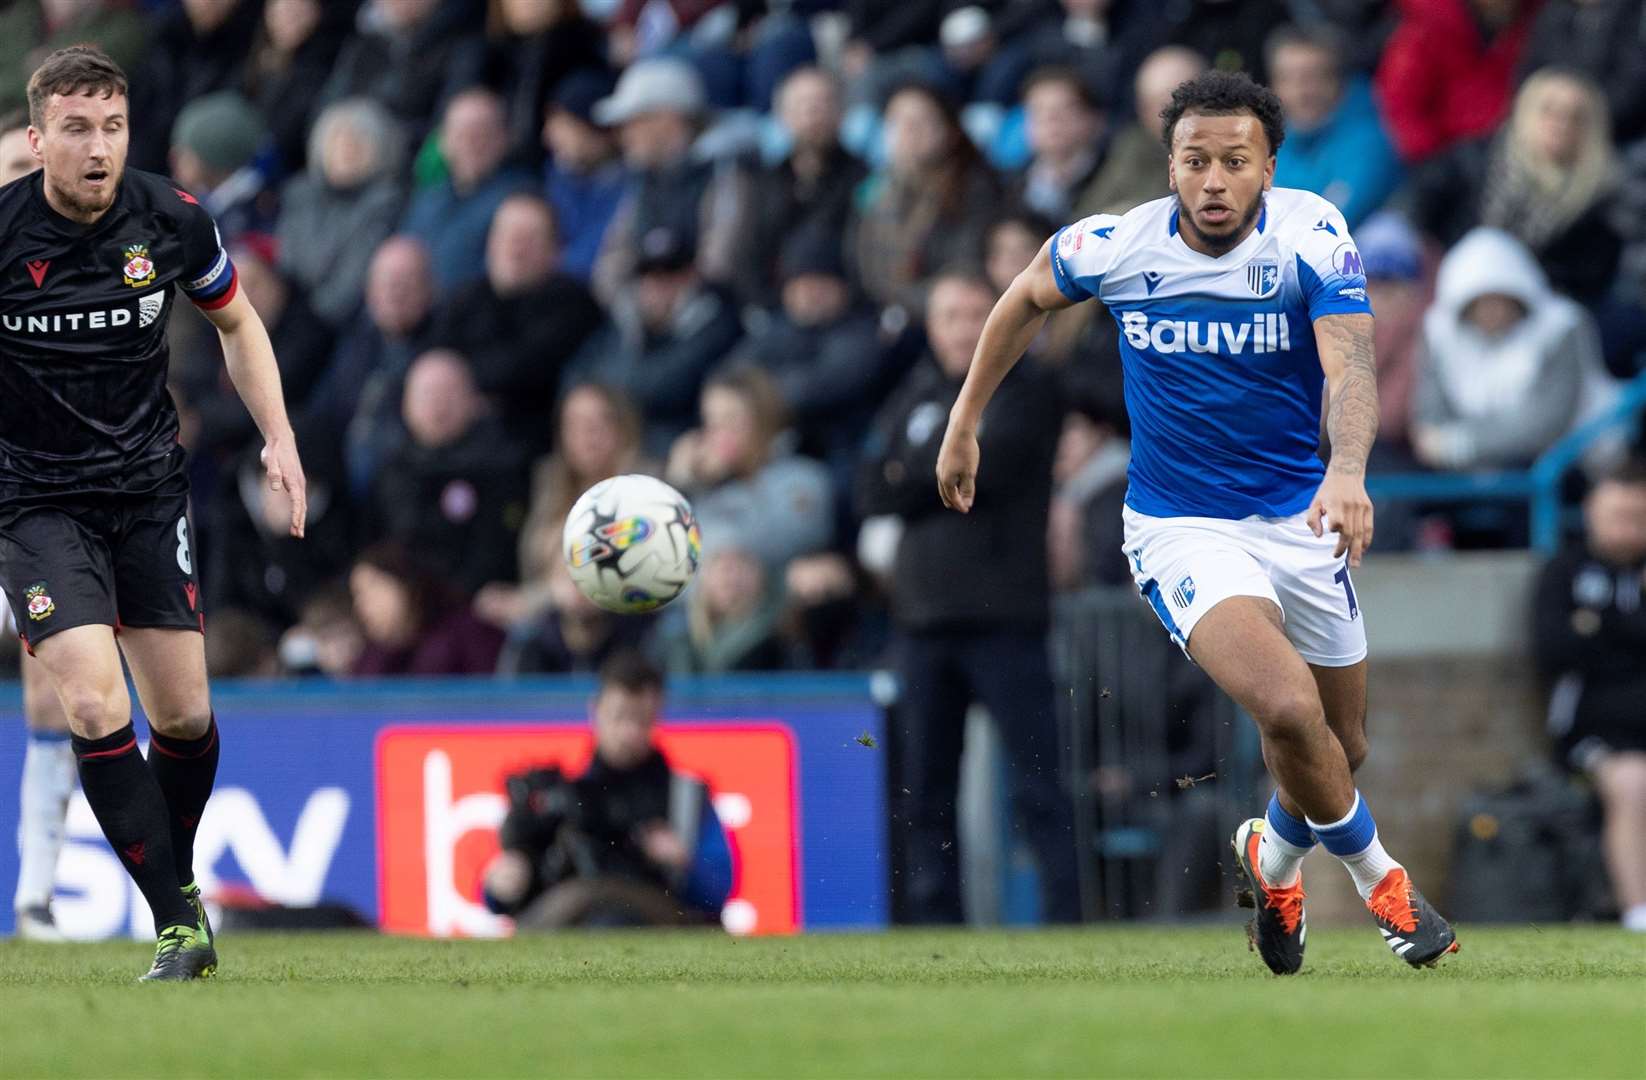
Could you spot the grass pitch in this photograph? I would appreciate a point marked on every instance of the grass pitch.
(1566, 1002)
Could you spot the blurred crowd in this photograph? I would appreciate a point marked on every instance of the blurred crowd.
(507, 249)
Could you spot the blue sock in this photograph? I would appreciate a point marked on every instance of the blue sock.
(1352, 834)
(1295, 831)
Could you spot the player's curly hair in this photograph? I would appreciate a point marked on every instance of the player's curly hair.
(1226, 93)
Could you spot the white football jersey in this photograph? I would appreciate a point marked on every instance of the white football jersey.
(1223, 379)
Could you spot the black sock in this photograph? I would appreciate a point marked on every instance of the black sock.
(185, 769)
(129, 806)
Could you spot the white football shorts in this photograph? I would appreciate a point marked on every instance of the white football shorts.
(1185, 566)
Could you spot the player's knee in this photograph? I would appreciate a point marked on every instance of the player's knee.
(182, 722)
(91, 710)
(1355, 750)
(1289, 712)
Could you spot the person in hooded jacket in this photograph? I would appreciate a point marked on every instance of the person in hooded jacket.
(1508, 365)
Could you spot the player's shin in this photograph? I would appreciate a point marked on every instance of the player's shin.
(1284, 844)
(186, 769)
(132, 812)
(48, 781)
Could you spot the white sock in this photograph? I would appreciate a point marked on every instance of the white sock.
(1279, 862)
(48, 781)
(1369, 867)
(1635, 918)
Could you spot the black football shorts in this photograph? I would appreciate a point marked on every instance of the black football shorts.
(101, 559)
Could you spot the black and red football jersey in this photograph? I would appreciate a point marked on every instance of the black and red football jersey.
(83, 352)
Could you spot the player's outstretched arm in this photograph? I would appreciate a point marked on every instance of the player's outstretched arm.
(1013, 324)
(1345, 346)
(250, 360)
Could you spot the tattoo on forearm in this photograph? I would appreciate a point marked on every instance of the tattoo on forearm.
(1351, 414)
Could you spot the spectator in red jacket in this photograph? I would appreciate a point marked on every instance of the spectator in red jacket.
(1448, 71)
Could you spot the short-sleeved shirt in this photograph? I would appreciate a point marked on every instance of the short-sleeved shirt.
(1222, 376)
(84, 407)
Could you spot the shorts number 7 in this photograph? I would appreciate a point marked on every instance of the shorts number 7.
(1342, 578)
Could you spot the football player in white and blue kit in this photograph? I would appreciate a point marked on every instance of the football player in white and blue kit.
(1237, 304)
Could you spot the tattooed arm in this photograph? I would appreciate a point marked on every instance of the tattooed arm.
(1345, 344)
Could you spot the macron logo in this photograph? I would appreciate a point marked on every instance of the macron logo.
(1103, 233)
(1266, 333)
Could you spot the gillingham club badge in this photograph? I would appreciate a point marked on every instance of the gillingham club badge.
(139, 270)
(39, 601)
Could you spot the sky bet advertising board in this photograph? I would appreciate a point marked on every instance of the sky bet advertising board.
(387, 798)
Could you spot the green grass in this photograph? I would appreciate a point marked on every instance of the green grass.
(1102, 1002)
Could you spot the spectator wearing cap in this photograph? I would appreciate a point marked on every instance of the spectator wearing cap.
(1398, 285)
(1549, 177)
(455, 491)
(1134, 169)
(928, 207)
(1066, 134)
(453, 216)
(336, 213)
(1447, 72)
(520, 325)
(584, 178)
(668, 329)
(657, 109)
(214, 146)
(1335, 145)
(809, 190)
(822, 348)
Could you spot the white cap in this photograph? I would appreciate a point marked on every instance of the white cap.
(964, 26)
(647, 86)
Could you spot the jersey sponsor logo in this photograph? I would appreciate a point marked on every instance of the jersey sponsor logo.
(1262, 276)
(148, 307)
(1346, 261)
(39, 601)
(1151, 280)
(37, 270)
(1267, 332)
(69, 322)
(139, 269)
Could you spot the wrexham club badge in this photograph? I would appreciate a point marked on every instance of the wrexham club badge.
(139, 270)
(39, 601)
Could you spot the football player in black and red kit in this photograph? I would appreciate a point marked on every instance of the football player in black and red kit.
(96, 553)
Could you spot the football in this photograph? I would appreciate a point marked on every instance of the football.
(632, 544)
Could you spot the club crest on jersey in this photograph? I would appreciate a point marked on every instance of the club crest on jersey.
(139, 270)
(39, 601)
(1262, 276)
(1183, 595)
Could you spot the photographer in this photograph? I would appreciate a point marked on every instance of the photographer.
(630, 842)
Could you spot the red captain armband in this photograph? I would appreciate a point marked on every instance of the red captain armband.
(216, 286)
